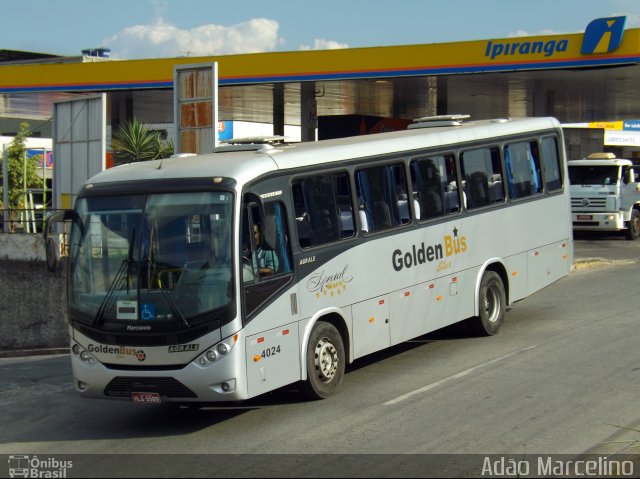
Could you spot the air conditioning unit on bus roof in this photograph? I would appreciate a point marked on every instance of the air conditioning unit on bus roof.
(252, 143)
(438, 120)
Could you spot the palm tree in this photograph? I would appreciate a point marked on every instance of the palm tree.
(137, 142)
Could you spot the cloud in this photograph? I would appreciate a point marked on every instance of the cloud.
(633, 19)
(162, 39)
(523, 33)
(322, 44)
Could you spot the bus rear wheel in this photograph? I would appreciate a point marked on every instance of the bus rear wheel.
(492, 300)
(325, 361)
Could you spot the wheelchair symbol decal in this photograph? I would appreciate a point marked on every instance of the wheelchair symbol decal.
(148, 312)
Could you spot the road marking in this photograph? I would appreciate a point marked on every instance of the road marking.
(428, 387)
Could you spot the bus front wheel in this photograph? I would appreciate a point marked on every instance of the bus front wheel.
(325, 361)
(492, 301)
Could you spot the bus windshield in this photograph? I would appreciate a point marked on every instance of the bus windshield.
(593, 175)
(160, 257)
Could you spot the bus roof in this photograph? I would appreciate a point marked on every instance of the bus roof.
(244, 165)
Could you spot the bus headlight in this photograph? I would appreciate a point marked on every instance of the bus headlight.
(84, 355)
(218, 351)
(212, 355)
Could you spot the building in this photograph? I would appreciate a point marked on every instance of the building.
(579, 78)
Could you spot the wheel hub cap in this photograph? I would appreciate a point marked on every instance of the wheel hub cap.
(326, 360)
(491, 303)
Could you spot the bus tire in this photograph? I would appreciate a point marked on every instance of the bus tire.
(325, 361)
(492, 301)
(633, 230)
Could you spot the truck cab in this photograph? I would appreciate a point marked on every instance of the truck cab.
(605, 194)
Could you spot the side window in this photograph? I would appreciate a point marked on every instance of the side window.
(382, 197)
(435, 189)
(323, 209)
(522, 161)
(265, 245)
(551, 164)
(482, 177)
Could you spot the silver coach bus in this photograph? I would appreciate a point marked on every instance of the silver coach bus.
(220, 277)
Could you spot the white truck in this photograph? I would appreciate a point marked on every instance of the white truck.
(605, 194)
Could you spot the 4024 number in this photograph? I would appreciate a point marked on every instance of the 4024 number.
(272, 351)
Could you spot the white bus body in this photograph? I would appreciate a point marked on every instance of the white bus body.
(163, 307)
(605, 194)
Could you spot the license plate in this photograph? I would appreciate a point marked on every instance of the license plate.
(585, 217)
(153, 398)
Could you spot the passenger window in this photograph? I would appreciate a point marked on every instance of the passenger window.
(382, 197)
(522, 161)
(434, 183)
(551, 164)
(323, 209)
(482, 177)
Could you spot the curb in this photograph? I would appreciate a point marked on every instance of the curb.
(33, 352)
(584, 263)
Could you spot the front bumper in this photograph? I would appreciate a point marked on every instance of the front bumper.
(220, 381)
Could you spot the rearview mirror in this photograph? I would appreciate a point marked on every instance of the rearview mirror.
(52, 242)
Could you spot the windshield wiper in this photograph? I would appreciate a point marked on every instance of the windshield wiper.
(166, 295)
(151, 265)
(124, 271)
(173, 306)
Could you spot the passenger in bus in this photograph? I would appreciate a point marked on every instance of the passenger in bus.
(478, 189)
(266, 260)
(432, 204)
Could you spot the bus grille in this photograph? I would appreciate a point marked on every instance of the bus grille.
(168, 387)
(135, 367)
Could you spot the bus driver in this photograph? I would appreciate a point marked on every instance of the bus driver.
(266, 259)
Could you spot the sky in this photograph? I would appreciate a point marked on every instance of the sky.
(134, 29)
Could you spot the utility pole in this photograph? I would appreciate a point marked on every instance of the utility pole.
(5, 188)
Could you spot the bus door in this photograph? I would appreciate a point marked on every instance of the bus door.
(272, 348)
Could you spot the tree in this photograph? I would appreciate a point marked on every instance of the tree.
(21, 171)
(137, 142)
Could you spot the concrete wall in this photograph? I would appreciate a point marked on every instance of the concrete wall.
(33, 311)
